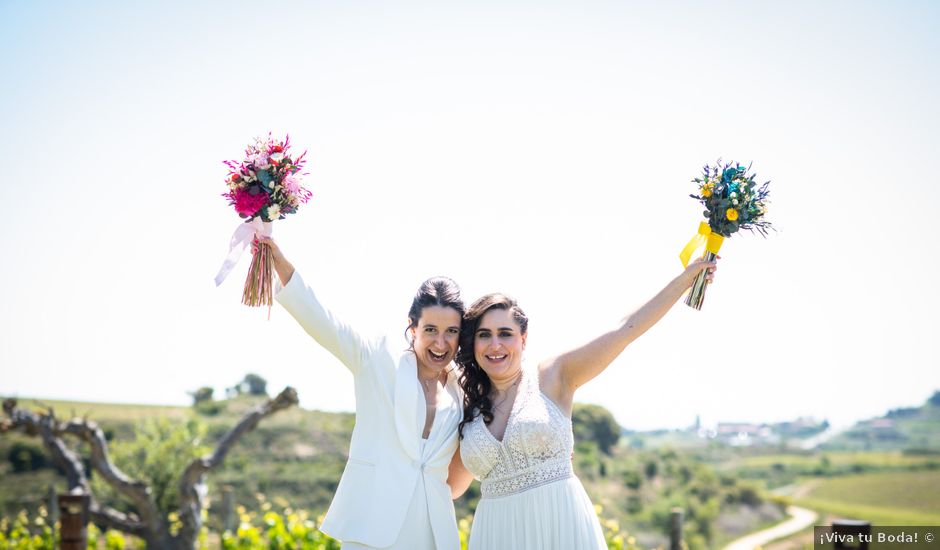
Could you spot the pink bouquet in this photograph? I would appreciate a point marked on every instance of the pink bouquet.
(264, 187)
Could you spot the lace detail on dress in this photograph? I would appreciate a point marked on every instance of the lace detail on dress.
(541, 474)
(536, 447)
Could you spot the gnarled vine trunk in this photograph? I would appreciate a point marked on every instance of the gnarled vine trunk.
(148, 522)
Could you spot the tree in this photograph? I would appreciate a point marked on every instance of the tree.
(147, 521)
(160, 450)
(633, 478)
(595, 423)
(254, 384)
(26, 457)
(935, 399)
(204, 404)
(202, 395)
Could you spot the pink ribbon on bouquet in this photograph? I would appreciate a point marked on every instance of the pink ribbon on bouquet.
(240, 240)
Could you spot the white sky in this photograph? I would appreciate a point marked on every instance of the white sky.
(544, 149)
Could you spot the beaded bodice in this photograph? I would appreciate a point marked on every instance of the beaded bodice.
(536, 448)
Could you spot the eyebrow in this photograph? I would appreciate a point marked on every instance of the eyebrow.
(481, 329)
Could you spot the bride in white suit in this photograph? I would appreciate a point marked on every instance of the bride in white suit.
(394, 492)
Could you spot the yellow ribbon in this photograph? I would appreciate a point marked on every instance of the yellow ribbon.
(705, 236)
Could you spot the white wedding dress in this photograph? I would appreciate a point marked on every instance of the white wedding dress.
(531, 499)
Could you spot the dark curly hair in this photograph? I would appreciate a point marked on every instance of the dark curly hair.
(473, 380)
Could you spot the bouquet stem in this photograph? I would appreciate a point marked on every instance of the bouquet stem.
(696, 296)
(259, 284)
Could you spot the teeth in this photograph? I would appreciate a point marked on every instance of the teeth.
(437, 355)
(495, 357)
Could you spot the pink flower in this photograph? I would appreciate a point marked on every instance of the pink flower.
(291, 184)
(260, 160)
(245, 203)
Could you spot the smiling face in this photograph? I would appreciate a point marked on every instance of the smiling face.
(498, 344)
(436, 336)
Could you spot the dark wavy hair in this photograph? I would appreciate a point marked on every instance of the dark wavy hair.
(474, 381)
(436, 291)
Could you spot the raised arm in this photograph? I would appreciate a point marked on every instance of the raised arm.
(282, 267)
(300, 301)
(563, 374)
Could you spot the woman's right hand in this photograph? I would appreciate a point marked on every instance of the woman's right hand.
(694, 268)
(283, 268)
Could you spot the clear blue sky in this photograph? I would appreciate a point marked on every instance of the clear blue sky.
(544, 149)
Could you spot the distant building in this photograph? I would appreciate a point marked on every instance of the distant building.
(740, 434)
(736, 428)
(881, 424)
(802, 428)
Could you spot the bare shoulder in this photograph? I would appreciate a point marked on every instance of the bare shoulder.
(553, 385)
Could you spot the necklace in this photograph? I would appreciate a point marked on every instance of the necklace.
(428, 383)
(506, 393)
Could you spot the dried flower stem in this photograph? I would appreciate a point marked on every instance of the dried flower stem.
(259, 284)
(696, 296)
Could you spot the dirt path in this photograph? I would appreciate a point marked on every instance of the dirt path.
(800, 518)
(805, 489)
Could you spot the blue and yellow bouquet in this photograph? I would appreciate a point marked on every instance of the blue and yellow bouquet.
(732, 201)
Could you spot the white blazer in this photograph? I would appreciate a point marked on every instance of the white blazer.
(373, 496)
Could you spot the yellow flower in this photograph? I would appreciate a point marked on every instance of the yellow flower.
(731, 214)
(707, 190)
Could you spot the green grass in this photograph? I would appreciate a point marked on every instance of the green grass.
(105, 411)
(777, 470)
(883, 498)
(887, 459)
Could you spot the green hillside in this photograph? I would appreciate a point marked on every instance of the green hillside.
(911, 429)
(296, 453)
(297, 456)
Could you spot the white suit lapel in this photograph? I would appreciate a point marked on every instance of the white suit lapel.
(409, 409)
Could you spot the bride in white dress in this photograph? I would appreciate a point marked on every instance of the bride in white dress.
(516, 435)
